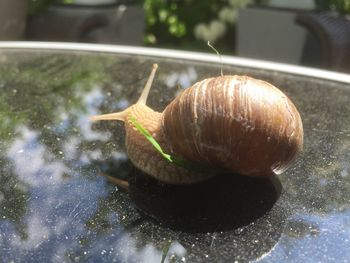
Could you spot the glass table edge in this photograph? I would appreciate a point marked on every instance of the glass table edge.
(178, 54)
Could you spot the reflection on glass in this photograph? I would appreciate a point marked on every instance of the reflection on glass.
(332, 233)
(56, 207)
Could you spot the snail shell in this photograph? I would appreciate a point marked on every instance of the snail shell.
(235, 123)
(242, 124)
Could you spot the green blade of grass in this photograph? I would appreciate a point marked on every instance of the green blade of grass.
(166, 251)
(150, 138)
(172, 159)
(156, 145)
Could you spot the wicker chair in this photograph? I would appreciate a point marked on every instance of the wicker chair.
(328, 42)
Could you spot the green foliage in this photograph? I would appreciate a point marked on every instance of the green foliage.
(341, 6)
(191, 24)
(182, 24)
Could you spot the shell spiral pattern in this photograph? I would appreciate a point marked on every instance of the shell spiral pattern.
(239, 123)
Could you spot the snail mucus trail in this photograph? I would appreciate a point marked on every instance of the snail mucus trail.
(233, 123)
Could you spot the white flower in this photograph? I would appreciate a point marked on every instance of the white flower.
(211, 32)
(217, 29)
(228, 15)
(200, 30)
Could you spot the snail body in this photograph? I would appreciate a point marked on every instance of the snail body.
(232, 123)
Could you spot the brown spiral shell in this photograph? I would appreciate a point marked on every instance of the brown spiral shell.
(239, 123)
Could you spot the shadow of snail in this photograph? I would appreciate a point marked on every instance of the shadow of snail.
(229, 217)
(224, 202)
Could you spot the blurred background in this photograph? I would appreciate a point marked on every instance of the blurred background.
(305, 32)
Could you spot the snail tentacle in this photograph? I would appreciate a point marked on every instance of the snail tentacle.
(147, 88)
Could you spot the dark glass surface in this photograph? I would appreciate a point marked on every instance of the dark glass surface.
(56, 207)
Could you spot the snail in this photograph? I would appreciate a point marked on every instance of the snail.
(228, 123)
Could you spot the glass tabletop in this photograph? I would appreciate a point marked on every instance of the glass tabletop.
(56, 205)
